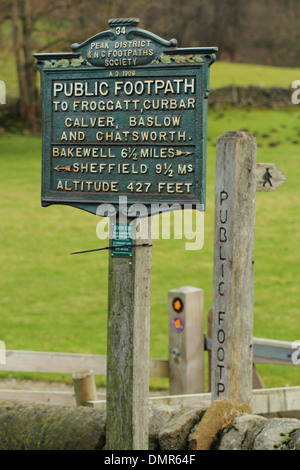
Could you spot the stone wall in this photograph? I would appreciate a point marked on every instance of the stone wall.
(223, 426)
(253, 432)
(250, 96)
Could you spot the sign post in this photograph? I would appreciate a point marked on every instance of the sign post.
(124, 135)
(233, 297)
(186, 340)
(128, 344)
(237, 179)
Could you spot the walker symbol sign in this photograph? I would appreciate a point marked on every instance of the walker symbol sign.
(268, 177)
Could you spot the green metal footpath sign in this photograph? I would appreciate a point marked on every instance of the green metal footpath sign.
(124, 114)
(122, 239)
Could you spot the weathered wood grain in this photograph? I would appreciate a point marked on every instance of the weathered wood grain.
(84, 387)
(68, 363)
(128, 338)
(235, 187)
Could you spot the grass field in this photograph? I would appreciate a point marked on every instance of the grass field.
(51, 301)
(227, 73)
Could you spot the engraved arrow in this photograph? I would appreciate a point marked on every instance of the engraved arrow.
(67, 168)
(268, 177)
(182, 152)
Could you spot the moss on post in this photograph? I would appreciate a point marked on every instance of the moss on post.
(27, 426)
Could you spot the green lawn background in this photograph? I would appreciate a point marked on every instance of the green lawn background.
(51, 301)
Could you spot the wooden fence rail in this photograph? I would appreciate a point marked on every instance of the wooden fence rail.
(67, 363)
(184, 367)
(283, 400)
(267, 351)
(265, 401)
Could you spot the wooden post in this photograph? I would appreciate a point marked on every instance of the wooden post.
(209, 333)
(257, 381)
(84, 387)
(186, 340)
(232, 342)
(128, 342)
